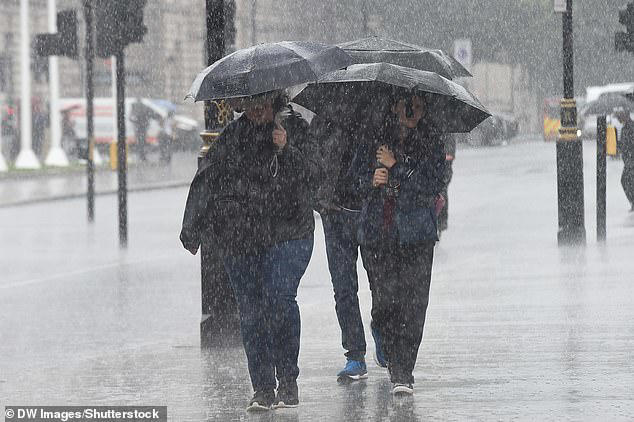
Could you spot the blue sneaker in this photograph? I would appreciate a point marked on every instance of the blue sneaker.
(379, 357)
(353, 371)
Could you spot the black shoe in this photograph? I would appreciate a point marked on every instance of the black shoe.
(402, 389)
(287, 395)
(262, 400)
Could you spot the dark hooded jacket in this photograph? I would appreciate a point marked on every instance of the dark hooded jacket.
(249, 196)
(627, 143)
(336, 149)
(404, 213)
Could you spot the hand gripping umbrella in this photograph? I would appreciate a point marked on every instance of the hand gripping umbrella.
(267, 67)
(363, 91)
(377, 49)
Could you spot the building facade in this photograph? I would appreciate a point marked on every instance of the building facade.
(163, 66)
(173, 51)
(329, 21)
(10, 44)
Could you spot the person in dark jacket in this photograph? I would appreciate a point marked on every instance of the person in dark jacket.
(449, 142)
(141, 116)
(253, 195)
(398, 231)
(339, 206)
(626, 146)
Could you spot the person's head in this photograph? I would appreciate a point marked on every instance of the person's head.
(260, 112)
(409, 110)
(261, 109)
(622, 115)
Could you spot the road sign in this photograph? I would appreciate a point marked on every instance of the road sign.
(560, 6)
(462, 52)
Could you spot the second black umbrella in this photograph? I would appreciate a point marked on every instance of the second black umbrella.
(362, 93)
(377, 49)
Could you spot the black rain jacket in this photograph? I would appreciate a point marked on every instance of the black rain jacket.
(247, 194)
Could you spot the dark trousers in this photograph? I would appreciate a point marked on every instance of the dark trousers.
(265, 286)
(342, 249)
(443, 217)
(400, 278)
(627, 181)
(141, 134)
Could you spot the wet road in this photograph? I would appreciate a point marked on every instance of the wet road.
(517, 328)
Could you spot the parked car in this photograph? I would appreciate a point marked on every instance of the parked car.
(186, 132)
(500, 126)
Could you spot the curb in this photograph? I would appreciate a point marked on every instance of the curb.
(48, 172)
(171, 185)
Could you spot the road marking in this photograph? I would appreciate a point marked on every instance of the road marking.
(66, 276)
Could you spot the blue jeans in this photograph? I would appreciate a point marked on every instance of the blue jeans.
(342, 249)
(265, 286)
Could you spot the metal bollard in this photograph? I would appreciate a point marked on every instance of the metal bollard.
(601, 178)
(220, 323)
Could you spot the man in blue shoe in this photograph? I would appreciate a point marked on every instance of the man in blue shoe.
(339, 205)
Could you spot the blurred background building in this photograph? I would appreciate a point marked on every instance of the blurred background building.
(514, 53)
(162, 67)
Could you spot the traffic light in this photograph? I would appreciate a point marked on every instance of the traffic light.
(624, 41)
(62, 43)
(135, 29)
(119, 23)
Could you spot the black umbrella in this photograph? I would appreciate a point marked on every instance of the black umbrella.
(266, 67)
(376, 50)
(363, 92)
(607, 103)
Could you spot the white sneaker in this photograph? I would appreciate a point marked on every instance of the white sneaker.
(402, 389)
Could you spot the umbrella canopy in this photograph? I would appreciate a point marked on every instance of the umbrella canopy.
(376, 50)
(266, 67)
(607, 103)
(364, 91)
(167, 105)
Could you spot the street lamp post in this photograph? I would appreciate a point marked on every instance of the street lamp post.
(56, 155)
(219, 323)
(569, 151)
(601, 178)
(3, 162)
(89, 15)
(26, 158)
(254, 22)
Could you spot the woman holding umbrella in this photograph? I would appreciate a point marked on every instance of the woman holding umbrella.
(398, 231)
(252, 195)
(400, 177)
(262, 218)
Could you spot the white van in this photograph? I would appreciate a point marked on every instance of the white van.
(588, 122)
(186, 129)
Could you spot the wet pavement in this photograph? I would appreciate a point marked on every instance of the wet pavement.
(517, 328)
(25, 187)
